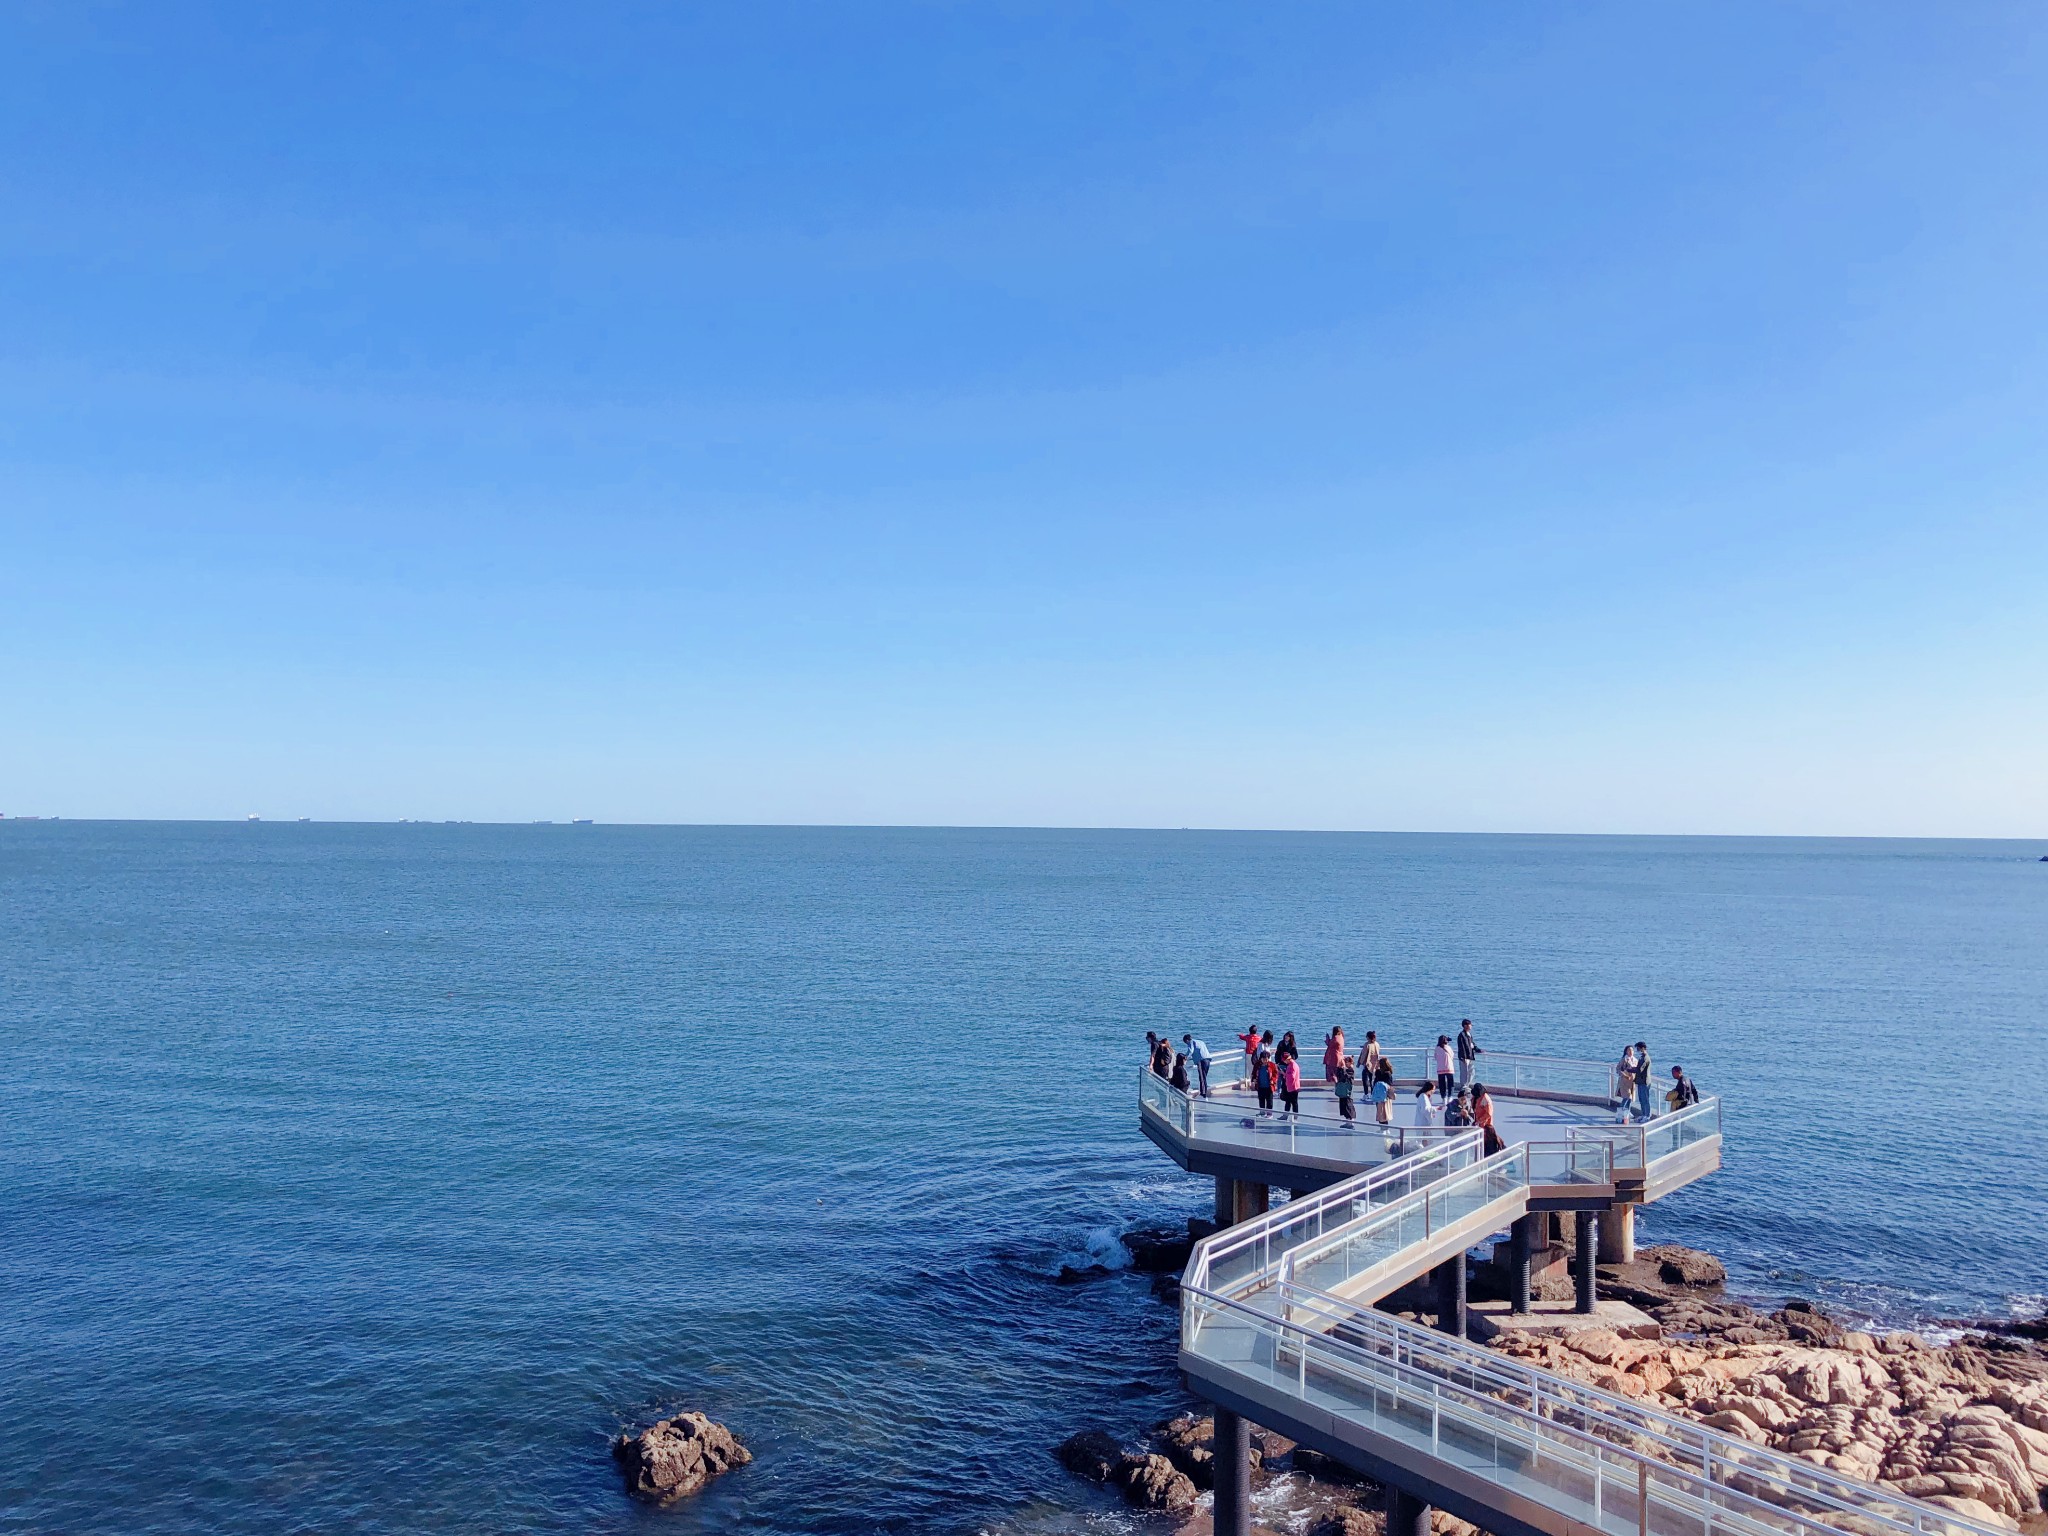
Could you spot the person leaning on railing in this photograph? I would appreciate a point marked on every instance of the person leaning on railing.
(1199, 1057)
(1684, 1094)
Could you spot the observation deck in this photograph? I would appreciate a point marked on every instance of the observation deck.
(1279, 1326)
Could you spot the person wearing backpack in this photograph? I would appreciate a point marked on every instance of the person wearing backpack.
(1683, 1094)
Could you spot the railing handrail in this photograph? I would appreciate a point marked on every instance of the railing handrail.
(1359, 1186)
(1281, 1271)
(1633, 1418)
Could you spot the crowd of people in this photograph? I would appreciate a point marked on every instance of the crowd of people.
(1272, 1071)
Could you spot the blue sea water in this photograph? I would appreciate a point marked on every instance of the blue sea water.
(370, 1178)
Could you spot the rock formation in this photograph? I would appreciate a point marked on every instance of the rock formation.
(674, 1458)
(1964, 1426)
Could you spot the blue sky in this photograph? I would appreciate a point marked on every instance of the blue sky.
(1543, 417)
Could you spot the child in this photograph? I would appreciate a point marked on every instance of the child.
(1383, 1094)
(1347, 1078)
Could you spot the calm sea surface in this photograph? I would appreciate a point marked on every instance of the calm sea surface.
(369, 1178)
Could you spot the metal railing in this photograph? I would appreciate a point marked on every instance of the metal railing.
(1347, 1257)
(1279, 1130)
(1638, 1145)
(1599, 1459)
(1252, 1249)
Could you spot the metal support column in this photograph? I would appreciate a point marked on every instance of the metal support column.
(1521, 1244)
(1587, 1256)
(1406, 1514)
(1450, 1295)
(1232, 1472)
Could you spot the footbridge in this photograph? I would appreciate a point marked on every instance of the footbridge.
(1279, 1326)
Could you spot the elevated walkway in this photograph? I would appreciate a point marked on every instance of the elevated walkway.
(1278, 1327)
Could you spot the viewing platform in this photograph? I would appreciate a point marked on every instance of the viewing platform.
(1279, 1325)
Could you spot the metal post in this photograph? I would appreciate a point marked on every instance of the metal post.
(1588, 1256)
(1233, 1475)
(1450, 1296)
(1406, 1514)
(1521, 1240)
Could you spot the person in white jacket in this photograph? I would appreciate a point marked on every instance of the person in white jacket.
(1425, 1108)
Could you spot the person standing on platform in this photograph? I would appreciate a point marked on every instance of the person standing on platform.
(1251, 1053)
(1290, 1083)
(1199, 1058)
(1625, 1076)
(1468, 1054)
(1347, 1081)
(1441, 1063)
(1265, 1076)
(1180, 1072)
(1369, 1058)
(1333, 1053)
(1642, 1081)
(1425, 1109)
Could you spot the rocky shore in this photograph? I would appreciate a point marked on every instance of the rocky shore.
(1962, 1422)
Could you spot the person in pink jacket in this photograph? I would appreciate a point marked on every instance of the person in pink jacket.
(1290, 1084)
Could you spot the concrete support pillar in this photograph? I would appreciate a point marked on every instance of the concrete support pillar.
(1450, 1296)
(1618, 1235)
(1406, 1514)
(1252, 1200)
(1238, 1201)
(1521, 1246)
(1232, 1471)
(1587, 1256)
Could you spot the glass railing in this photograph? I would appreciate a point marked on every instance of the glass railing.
(1501, 1071)
(1243, 1257)
(1602, 1461)
(1674, 1133)
(1635, 1147)
(1157, 1094)
(1347, 1256)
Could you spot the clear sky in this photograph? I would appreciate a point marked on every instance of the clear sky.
(1573, 417)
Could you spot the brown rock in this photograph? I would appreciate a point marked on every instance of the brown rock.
(1153, 1482)
(1345, 1520)
(1685, 1266)
(674, 1458)
(1093, 1453)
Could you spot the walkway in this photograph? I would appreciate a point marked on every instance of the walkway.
(1278, 1327)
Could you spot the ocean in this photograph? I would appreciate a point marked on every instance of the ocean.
(371, 1178)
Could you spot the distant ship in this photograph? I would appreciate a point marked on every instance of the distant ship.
(582, 821)
(255, 818)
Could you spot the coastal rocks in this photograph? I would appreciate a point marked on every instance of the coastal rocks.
(1093, 1454)
(1685, 1266)
(673, 1459)
(1153, 1482)
(1159, 1250)
(1146, 1478)
(1961, 1425)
